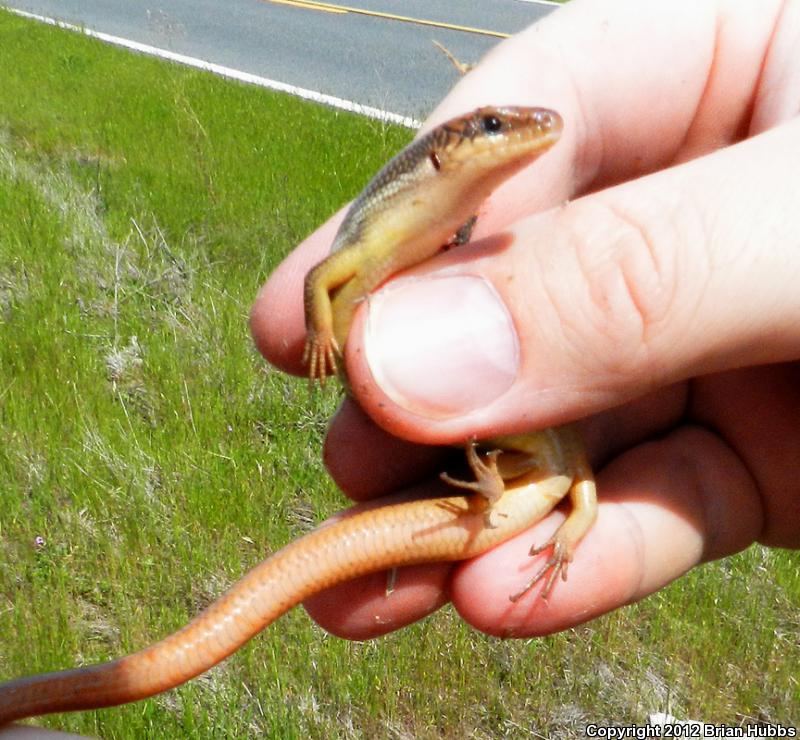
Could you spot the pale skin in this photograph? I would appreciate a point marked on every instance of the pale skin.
(662, 309)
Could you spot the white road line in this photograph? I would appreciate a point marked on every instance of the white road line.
(234, 74)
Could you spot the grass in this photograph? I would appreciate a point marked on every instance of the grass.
(156, 458)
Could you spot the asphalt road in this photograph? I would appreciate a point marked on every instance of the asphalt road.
(375, 61)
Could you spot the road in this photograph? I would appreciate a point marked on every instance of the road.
(373, 60)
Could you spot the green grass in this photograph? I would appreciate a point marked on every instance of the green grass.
(141, 206)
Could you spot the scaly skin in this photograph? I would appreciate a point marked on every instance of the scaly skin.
(424, 196)
(441, 529)
(410, 209)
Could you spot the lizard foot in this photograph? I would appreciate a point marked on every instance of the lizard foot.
(488, 482)
(563, 551)
(319, 353)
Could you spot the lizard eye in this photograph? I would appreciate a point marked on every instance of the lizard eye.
(492, 124)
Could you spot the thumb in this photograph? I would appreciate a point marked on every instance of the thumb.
(688, 271)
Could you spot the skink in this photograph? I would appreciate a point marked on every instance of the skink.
(425, 195)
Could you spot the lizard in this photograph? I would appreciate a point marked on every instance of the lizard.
(425, 194)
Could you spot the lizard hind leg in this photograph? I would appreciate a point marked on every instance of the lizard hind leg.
(565, 540)
(488, 482)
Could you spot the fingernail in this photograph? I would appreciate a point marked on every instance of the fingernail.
(443, 346)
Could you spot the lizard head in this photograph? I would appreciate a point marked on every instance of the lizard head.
(499, 140)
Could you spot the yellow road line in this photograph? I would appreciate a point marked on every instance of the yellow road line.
(307, 5)
(333, 8)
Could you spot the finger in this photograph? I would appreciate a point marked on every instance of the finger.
(686, 272)
(26, 732)
(364, 608)
(756, 410)
(661, 84)
(664, 507)
(365, 461)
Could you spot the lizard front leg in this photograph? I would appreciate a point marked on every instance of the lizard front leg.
(322, 348)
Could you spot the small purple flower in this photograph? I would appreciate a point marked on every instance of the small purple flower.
(38, 542)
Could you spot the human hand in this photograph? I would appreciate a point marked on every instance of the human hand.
(661, 302)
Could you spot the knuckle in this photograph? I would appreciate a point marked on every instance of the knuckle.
(629, 277)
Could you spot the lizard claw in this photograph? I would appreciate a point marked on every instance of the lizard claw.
(557, 563)
(488, 482)
(320, 353)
